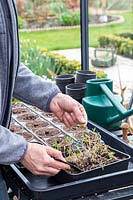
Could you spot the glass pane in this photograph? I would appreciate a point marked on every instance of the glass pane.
(49, 25)
(111, 26)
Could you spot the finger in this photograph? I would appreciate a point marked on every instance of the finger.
(47, 171)
(80, 113)
(59, 115)
(69, 118)
(54, 163)
(83, 113)
(52, 171)
(59, 165)
(73, 117)
(66, 122)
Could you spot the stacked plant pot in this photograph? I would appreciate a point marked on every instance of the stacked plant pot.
(75, 86)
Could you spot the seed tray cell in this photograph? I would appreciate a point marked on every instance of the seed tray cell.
(72, 130)
(14, 127)
(60, 138)
(28, 136)
(27, 117)
(47, 114)
(36, 124)
(18, 104)
(19, 110)
(47, 132)
(56, 120)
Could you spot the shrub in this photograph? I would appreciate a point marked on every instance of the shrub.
(110, 41)
(42, 61)
(69, 19)
(21, 23)
(100, 73)
(65, 66)
(126, 35)
(61, 64)
(33, 58)
(126, 48)
(123, 46)
(57, 6)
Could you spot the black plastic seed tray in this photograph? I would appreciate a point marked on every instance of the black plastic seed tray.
(121, 164)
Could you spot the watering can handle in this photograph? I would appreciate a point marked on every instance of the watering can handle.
(123, 113)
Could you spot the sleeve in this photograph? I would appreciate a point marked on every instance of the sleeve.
(33, 89)
(12, 146)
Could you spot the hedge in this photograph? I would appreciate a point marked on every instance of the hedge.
(126, 35)
(45, 63)
(122, 45)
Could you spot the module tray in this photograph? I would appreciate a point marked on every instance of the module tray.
(121, 164)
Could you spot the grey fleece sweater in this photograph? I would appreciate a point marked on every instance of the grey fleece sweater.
(17, 80)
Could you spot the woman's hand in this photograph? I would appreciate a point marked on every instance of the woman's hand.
(39, 159)
(68, 110)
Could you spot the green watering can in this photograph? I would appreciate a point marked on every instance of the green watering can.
(102, 106)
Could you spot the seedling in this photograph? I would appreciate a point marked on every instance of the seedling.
(90, 155)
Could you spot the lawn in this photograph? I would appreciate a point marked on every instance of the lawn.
(55, 39)
(67, 39)
(126, 26)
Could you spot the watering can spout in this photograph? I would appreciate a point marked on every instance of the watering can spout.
(117, 118)
(123, 113)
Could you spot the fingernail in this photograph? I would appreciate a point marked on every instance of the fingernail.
(82, 120)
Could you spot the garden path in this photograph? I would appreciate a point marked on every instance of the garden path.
(121, 73)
